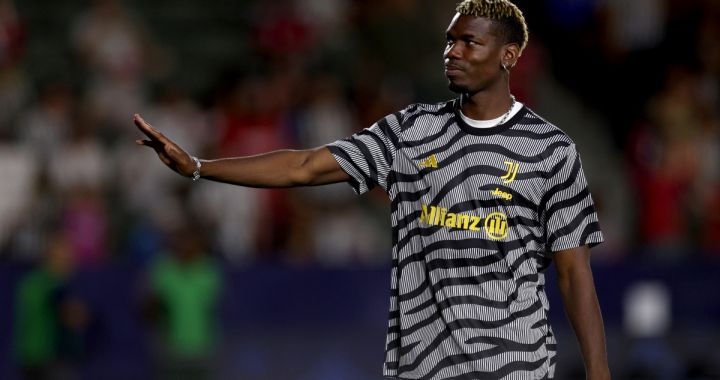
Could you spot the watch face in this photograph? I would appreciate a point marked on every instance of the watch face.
(196, 173)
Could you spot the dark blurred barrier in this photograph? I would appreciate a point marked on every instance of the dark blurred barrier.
(316, 323)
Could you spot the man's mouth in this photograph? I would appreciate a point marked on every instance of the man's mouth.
(452, 69)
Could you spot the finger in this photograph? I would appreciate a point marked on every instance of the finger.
(146, 128)
(156, 145)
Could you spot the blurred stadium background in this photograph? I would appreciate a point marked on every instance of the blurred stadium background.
(113, 267)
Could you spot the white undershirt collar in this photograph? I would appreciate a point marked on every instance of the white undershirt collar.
(493, 122)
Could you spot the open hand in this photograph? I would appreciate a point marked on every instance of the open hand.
(170, 154)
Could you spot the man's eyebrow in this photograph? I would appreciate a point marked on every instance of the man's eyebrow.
(468, 36)
(462, 36)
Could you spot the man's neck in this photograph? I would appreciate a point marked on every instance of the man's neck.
(486, 105)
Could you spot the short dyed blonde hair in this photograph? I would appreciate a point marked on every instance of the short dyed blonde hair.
(508, 17)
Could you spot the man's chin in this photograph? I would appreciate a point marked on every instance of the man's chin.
(456, 88)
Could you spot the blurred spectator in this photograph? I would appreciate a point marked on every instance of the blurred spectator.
(144, 241)
(14, 86)
(327, 20)
(248, 121)
(108, 40)
(665, 160)
(80, 162)
(708, 186)
(16, 195)
(50, 320)
(331, 226)
(279, 32)
(709, 57)
(115, 48)
(183, 296)
(635, 25)
(236, 218)
(46, 125)
(325, 116)
(84, 220)
(12, 34)
(78, 174)
(706, 192)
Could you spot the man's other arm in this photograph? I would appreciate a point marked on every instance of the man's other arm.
(283, 168)
(577, 287)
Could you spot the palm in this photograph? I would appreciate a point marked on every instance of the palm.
(169, 153)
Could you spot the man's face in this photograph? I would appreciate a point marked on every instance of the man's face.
(472, 54)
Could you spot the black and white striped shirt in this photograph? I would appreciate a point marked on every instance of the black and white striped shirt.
(476, 216)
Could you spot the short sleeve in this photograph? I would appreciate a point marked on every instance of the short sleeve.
(368, 155)
(567, 209)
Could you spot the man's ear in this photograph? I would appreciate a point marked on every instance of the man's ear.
(510, 55)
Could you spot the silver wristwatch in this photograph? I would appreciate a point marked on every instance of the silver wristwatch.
(198, 165)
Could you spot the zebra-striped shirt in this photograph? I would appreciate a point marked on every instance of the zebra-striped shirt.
(476, 216)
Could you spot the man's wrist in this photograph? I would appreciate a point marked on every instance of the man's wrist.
(198, 165)
(599, 373)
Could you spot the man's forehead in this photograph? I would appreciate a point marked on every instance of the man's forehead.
(468, 24)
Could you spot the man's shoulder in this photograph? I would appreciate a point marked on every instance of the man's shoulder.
(435, 109)
(532, 123)
(420, 119)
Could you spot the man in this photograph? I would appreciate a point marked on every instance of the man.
(184, 286)
(485, 195)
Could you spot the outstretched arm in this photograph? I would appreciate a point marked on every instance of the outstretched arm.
(283, 168)
(576, 285)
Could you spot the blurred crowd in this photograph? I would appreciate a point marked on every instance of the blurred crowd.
(643, 79)
(651, 68)
(313, 71)
(68, 142)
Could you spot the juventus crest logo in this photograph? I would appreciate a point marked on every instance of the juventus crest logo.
(512, 172)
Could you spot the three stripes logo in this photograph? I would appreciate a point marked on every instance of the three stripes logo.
(511, 173)
(430, 162)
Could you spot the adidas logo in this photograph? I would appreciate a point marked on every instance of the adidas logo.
(430, 162)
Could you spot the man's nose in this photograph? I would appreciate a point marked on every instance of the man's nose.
(453, 50)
